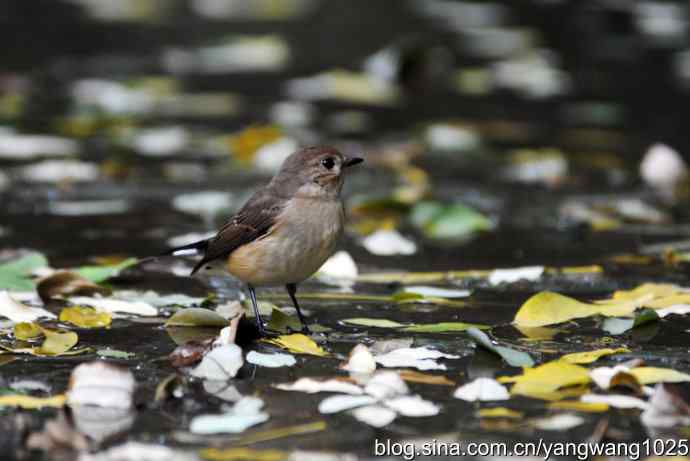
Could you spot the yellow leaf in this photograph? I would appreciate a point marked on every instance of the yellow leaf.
(499, 412)
(537, 333)
(85, 317)
(651, 375)
(545, 379)
(27, 330)
(31, 403)
(298, 343)
(241, 454)
(548, 308)
(591, 356)
(576, 405)
(57, 342)
(657, 290)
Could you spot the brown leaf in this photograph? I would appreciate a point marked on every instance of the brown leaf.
(425, 378)
(66, 283)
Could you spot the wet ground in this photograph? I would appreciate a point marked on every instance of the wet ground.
(538, 124)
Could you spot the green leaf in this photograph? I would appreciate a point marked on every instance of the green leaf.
(377, 323)
(85, 317)
(617, 326)
(443, 327)
(282, 322)
(98, 274)
(14, 275)
(57, 342)
(454, 221)
(196, 317)
(114, 353)
(511, 356)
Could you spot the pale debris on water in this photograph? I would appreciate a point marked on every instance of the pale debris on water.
(386, 384)
(274, 360)
(312, 386)
(244, 414)
(529, 273)
(615, 400)
(662, 167)
(666, 409)
(360, 360)
(338, 403)
(220, 363)
(15, 146)
(340, 270)
(483, 390)
(374, 415)
(389, 243)
(54, 171)
(269, 157)
(421, 358)
(436, 292)
(116, 305)
(161, 141)
(558, 422)
(412, 406)
(102, 384)
(18, 312)
(137, 451)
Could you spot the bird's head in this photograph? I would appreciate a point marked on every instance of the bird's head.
(318, 170)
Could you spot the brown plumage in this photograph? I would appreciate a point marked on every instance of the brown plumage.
(287, 229)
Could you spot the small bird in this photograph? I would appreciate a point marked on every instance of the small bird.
(286, 230)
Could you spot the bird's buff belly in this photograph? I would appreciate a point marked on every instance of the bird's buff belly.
(291, 252)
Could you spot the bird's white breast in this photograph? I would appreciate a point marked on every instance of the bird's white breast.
(304, 236)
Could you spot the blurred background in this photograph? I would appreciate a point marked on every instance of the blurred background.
(495, 133)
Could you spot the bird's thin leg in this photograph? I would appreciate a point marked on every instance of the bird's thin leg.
(292, 289)
(257, 315)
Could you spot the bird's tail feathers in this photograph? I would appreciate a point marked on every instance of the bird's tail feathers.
(195, 248)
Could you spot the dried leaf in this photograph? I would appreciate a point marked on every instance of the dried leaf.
(298, 343)
(425, 378)
(28, 402)
(548, 308)
(591, 356)
(189, 353)
(653, 375)
(499, 412)
(57, 342)
(25, 331)
(85, 317)
(512, 357)
(65, 283)
(546, 378)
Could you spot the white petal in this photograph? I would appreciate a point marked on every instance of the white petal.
(412, 405)
(437, 292)
(680, 309)
(389, 243)
(374, 415)
(220, 363)
(386, 384)
(18, 312)
(244, 414)
(339, 269)
(116, 305)
(559, 422)
(312, 386)
(361, 360)
(482, 389)
(421, 358)
(338, 403)
(101, 384)
(530, 273)
(616, 401)
(602, 375)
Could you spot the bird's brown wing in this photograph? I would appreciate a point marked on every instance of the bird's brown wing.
(255, 218)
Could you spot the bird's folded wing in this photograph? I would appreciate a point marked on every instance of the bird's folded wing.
(254, 220)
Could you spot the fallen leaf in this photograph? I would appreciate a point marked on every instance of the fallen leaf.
(242, 454)
(483, 390)
(455, 221)
(378, 323)
(360, 360)
(280, 432)
(15, 275)
(591, 356)
(421, 358)
(28, 402)
(374, 415)
(443, 327)
(220, 363)
(499, 412)
(340, 269)
(244, 414)
(575, 405)
(196, 317)
(25, 331)
(57, 342)
(298, 343)
(98, 274)
(115, 354)
(548, 308)
(85, 317)
(65, 283)
(282, 322)
(274, 360)
(653, 375)
(101, 384)
(425, 378)
(18, 312)
(312, 386)
(189, 353)
(546, 378)
(436, 292)
(512, 357)
(667, 408)
(606, 377)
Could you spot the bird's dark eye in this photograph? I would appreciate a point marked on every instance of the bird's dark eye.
(328, 163)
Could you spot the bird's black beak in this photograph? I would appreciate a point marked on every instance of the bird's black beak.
(352, 161)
